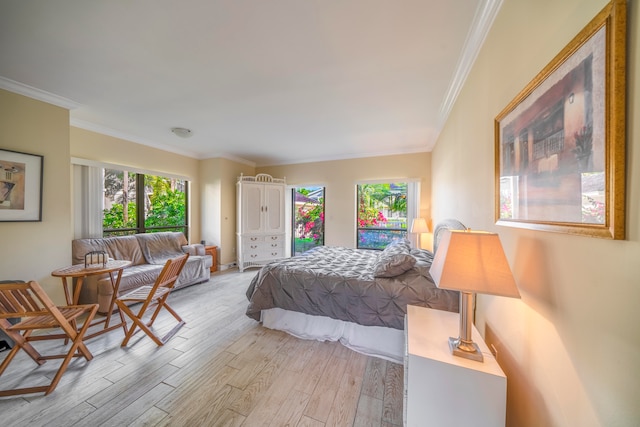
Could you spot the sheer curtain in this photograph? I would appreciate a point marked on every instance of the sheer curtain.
(88, 184)
(413, 210)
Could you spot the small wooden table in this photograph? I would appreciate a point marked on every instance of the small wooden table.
(114, 269)
(213, 251)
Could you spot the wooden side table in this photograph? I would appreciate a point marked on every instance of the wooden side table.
(213, 251)
(114, 269)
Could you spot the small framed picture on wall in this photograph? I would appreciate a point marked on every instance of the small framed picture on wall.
(20, 186)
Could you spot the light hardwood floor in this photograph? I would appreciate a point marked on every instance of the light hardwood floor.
(221, 369)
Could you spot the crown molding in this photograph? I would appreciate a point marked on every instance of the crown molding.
(482, 22)
(106, 165)
(232, 158)
(104, 130)
(415, 150)
(35, 93)
(238, 160)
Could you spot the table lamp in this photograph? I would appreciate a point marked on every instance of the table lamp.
(471, 262)
(419, 226)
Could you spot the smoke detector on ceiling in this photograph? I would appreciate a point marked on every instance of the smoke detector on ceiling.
(182, 132)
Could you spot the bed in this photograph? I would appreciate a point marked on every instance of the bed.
(356, 296)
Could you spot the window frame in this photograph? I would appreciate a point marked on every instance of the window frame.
(413, 208)
(292, 222)
(141, 214)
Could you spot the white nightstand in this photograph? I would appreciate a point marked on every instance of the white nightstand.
(445, 390)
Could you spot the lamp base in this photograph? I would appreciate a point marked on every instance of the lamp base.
(472, 352)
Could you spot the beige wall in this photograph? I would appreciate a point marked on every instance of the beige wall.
(570, 347)
(103, 148)
(340, 178)
(219, 177)
(31, 250)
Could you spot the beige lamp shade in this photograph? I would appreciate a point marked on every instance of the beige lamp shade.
(473, 261)
(419, 225)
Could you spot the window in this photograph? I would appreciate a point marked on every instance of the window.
(139, 203)
(308, 218)
(382, 214)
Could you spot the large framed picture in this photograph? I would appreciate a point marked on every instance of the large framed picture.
(560, 144)
(20, 186)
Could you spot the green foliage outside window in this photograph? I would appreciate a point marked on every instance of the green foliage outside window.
(374, 198)
(164, 202)
(382, 214)
(113, 218)
(166, 209)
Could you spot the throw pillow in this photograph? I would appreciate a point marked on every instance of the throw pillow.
(394, 260)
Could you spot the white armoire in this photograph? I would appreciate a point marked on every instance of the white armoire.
(261, 229)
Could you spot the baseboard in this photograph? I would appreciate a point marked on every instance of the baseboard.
(223, 267)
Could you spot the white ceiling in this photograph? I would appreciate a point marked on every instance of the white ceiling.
(264, 81)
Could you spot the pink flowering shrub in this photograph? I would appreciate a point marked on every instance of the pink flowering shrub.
(311, 218)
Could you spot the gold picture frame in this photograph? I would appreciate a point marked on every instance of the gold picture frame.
(560, 144)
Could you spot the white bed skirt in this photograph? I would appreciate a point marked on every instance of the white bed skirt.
(377, 341)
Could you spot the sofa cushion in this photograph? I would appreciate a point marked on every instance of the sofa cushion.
(124, 247)
(121, 247)
(81, 247)
(157, 248)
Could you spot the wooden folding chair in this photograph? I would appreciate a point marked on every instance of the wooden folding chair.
(150, 296)
(36, 310)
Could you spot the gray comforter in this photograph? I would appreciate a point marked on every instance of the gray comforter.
(339, 283)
